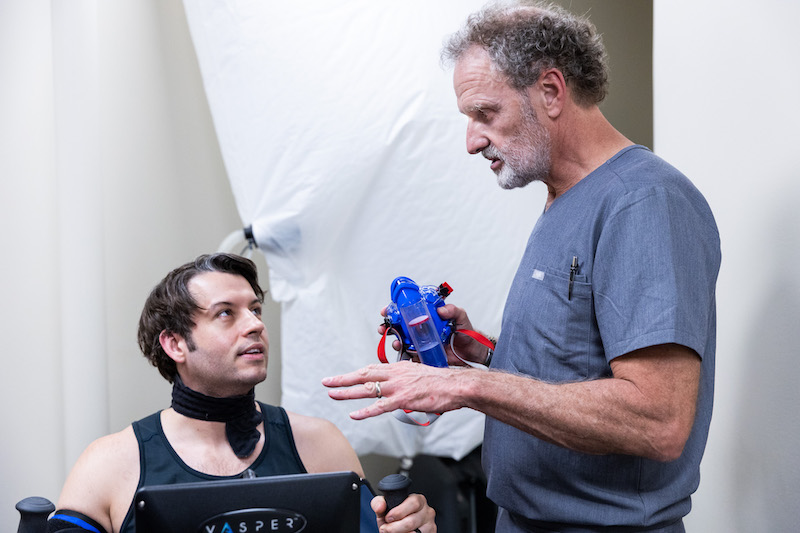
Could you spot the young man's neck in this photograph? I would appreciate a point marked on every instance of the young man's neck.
(204, 445)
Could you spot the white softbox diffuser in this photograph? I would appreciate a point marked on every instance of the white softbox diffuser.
(346, 154)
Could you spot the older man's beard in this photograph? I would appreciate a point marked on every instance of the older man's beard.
(526, 158)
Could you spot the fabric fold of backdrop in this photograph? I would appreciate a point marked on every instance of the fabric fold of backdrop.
(345, 151)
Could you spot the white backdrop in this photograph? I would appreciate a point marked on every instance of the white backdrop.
(345, 150)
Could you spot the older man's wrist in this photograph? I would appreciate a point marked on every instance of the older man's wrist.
(490, 353)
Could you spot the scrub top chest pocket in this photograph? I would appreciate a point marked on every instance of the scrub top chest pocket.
(553, 310)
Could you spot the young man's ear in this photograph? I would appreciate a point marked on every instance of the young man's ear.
(174, 345)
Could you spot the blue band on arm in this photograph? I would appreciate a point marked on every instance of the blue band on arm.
(83, 524)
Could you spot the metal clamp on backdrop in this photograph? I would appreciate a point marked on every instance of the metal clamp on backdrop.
(413, 318)
(241, 237)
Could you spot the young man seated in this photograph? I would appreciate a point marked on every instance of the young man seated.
(201, 327)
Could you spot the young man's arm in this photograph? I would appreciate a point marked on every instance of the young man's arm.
(103, 481)
(323, 448)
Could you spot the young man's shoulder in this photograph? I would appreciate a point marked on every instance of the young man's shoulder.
(104, 478)
(310, 425)
(112, 454)
(322, 446)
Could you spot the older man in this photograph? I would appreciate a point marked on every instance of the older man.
(599, 397)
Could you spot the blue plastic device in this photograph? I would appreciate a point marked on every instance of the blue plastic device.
(412, 314)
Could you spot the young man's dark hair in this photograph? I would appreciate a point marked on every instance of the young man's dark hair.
(171, 305)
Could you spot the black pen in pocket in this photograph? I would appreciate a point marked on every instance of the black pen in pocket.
(573, 268)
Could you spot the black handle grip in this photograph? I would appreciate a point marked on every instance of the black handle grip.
(395, 489)
(33, 514)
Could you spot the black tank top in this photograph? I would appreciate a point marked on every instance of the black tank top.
(160, 464)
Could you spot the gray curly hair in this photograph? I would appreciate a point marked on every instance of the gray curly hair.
(525, 38)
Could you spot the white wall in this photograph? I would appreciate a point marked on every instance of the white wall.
(29, 286)
(726, 113)
(110, 175)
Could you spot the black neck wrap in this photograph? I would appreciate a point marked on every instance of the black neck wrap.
(238, 412)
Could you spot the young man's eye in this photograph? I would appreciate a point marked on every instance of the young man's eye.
(224, 313)
(257, 311)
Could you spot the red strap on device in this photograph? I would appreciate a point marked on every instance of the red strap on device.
(382, 347)
(468, 332)
(477, 336)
